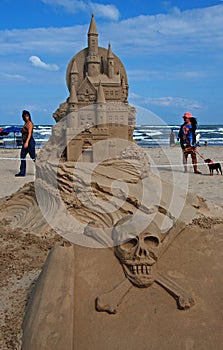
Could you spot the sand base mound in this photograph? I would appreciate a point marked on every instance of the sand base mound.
(62, 312)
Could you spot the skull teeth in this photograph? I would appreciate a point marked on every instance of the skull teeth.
(140, 269)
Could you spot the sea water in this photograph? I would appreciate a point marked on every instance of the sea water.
(159, 136)
(144, 135)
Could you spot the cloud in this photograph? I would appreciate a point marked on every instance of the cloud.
(17, 77)
(73, 6)
(105, 11)
(177, 32)
(185, 33)
(166, 74)
(167, 101)
(36, 62)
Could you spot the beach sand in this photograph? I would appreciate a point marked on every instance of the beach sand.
(23, 254)
(210, 187)
(161, 160)
(10, 163)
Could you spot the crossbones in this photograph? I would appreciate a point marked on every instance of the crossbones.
(138, 255)
(111, 300)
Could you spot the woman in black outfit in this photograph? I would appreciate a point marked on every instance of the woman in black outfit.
(28, 145)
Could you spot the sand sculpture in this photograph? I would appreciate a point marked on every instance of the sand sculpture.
(131, 236)
(138, 255)
(96, 78)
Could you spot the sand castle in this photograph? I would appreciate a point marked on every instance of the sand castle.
(96, 79)
(136, 269)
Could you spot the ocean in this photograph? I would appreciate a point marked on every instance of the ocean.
(159, 136)
(144, 135)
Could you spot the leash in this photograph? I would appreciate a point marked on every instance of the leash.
(200, 155)
(211, 162)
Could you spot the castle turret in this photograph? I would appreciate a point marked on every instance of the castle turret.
(101, 106)
(73, 101)
(100, 94)
(74, 74)
(73, 97)
(93, 60)
(110, 60)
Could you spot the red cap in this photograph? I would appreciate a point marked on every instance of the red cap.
(187, 115)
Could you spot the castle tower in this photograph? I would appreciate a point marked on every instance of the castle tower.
(73, 84)
(93, 60)
(74, 73)
(100, 94)
(110, 62)
(101, 106)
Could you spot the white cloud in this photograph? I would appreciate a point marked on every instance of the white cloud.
(36, 62)
(105, 11)
(17, 77)
(45, 40)
(187, 32)
(73, 6)
(167, 101)
(175, 32)
(165, 74)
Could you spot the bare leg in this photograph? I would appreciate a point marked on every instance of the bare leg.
(185, 161)
(194, 161)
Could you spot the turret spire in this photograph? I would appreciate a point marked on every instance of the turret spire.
(93, 59)
(110, 53)
(92, 28)
(100, 95)
(110, 59)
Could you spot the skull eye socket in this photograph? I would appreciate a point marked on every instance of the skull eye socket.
(130, 244)
(151, 241)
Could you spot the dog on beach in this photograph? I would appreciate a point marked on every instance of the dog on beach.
(213, 166)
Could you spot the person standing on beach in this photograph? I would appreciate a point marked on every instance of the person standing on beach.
(28, 142)
(172, 138)
(187, 138)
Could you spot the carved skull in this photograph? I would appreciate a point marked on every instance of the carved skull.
(138, 253)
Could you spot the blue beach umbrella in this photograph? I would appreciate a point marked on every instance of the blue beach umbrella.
(9, 129)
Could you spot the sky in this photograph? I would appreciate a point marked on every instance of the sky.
(172, 52)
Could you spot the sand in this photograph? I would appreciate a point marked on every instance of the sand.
(23, 254)
(204, 185)
(10, 163)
